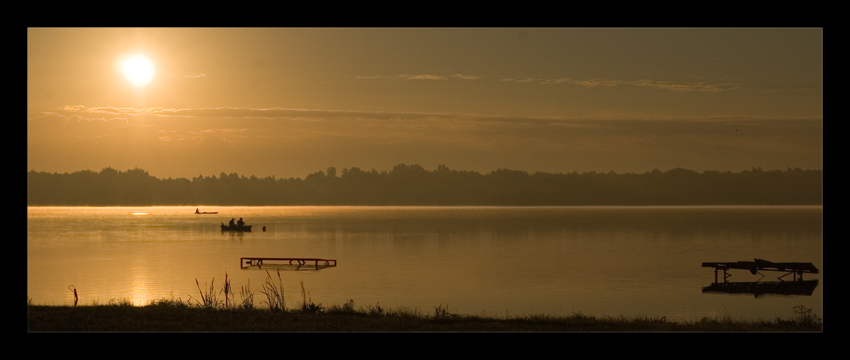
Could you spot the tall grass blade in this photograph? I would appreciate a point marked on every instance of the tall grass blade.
(307, 305)
(247, 296)
(274, 294)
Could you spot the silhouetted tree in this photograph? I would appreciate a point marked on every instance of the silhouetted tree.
(413, 185)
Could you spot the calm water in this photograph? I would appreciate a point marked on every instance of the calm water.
(477, 260)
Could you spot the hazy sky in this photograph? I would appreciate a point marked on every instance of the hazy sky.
(290, 102)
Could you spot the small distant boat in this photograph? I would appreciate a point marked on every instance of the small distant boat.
(205, 212)
(236, 228)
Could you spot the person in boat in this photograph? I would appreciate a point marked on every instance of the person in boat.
(240, 223)
(196, 211)
(232, 224)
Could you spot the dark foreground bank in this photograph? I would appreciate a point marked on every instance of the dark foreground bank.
(161, 318)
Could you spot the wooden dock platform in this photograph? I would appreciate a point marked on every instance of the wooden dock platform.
(796, 268)
(286, 263)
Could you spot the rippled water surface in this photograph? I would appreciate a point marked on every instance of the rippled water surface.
(476, 260)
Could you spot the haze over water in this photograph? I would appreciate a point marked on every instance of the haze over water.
(477, 260)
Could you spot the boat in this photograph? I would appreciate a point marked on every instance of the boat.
(205, 212)
(235, 228)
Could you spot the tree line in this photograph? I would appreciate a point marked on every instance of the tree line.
(413, 185)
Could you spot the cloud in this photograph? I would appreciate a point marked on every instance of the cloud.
(193, 125)
(421, 77)
(324, 115)
(521, 80)
(277, 113)
(122, 111)
(683, 86)
(664, 85)
(598, 82)
(416, 77)
(73, 108)
(675, 86)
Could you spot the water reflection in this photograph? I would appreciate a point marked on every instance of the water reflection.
(233, 235)
(594, 260)
(797, 286)
(285, 263)
(805, 287)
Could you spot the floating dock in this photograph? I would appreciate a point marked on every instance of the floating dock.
(796, 268)
(286, 263)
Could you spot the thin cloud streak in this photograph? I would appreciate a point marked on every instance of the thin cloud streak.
(521, 80)
(417, 77)
(676, 86)
(314, 114)
(204, 122)
(421, 77)
(664, 85)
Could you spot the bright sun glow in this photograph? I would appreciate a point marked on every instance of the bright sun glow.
(138, 69)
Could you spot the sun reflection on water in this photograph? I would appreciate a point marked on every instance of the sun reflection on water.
(141, 292)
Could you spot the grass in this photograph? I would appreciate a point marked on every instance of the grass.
(209, 313)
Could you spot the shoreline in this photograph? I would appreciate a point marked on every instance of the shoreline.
(176, 316)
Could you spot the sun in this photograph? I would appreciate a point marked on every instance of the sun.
(138, 69)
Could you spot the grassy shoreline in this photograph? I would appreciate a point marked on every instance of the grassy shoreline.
(175, 316)
(210, 313)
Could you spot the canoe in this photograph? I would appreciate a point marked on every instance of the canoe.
(235, 228)
(206, 212)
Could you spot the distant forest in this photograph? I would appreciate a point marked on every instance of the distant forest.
(413, 185)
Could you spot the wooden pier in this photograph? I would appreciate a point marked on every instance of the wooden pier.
(796, 268)
(286, 263)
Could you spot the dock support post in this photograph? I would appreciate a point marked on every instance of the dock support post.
(726, 275)
(795, 275)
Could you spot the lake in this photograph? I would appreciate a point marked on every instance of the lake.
(495, 261)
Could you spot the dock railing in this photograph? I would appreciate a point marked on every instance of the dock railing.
(297, 263)
(795, 268)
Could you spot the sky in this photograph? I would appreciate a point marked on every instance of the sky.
(288, 102)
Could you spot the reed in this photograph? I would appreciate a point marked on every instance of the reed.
(307, 305)
(226, 291)
(74, 289)
(247, 297)
(209, 300)
(274, 293)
